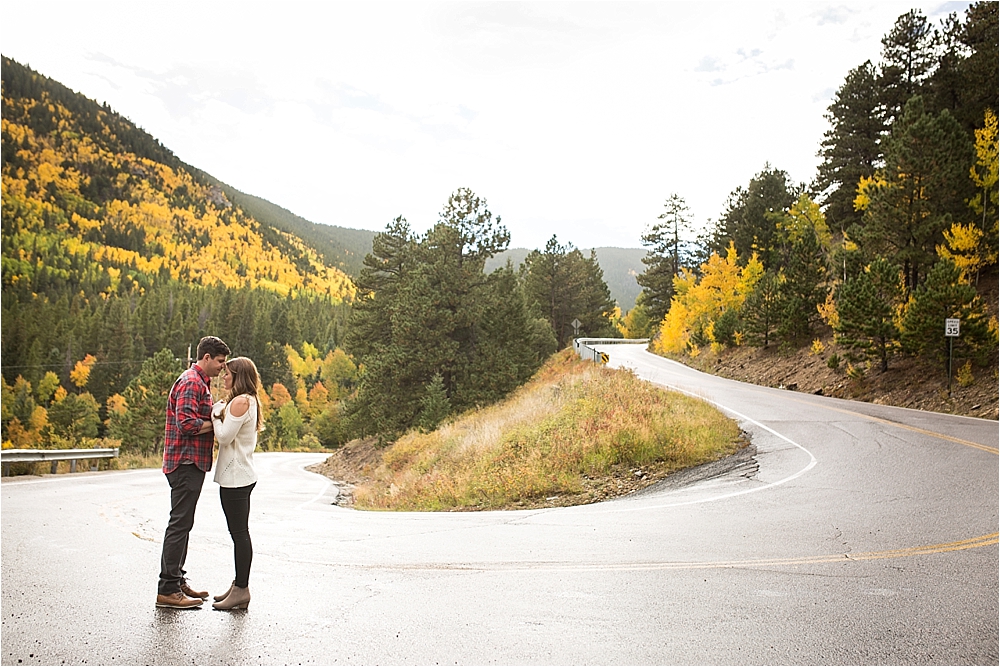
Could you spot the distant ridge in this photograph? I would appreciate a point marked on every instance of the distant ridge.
(342, 247)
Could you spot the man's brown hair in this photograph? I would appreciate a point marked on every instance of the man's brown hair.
(213, 347)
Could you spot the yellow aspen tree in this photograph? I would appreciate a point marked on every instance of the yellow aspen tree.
(866, 187)
(984, 174)
(965, 247)
(279, 396)
(319, 398)
(81, 371)
(302, 399)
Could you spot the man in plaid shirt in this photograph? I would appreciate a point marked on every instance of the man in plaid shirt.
(187, 456)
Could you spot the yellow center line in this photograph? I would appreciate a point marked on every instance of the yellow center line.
(915, 429)
(961, 545)
(982, 541)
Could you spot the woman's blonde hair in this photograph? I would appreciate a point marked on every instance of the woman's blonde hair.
(246, 380)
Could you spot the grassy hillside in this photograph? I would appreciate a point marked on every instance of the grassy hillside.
(576, 433)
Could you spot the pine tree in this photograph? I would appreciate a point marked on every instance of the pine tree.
(596, 303)
(943, 88)
(750, 219)
(141, 426)
(908, 59)
(867, 308)
(852, 146)
(925, 187)
(761, 311)
(561, 285)
(74, 417)
(427, 308)
(667, 253)
(434, 405)
(979, 70)
(944, 295)
(804, 285)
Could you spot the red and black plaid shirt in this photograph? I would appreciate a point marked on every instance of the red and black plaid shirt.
(188, 407)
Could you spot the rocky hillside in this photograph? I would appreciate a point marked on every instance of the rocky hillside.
(910, 382)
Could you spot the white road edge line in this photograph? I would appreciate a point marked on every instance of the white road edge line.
(62, 477)
(812, 459)
(319, 495)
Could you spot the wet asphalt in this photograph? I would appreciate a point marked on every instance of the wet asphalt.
(856, 534)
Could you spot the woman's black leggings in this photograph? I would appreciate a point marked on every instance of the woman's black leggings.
(236, 505)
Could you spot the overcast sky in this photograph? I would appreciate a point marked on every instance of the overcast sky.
(575, 119)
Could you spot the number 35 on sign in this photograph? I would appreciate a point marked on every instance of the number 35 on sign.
(951, 326)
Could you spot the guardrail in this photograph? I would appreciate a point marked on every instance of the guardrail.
(8, 456)
(584, 349)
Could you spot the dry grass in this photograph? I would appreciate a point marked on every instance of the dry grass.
(574, 421)
(131, 461)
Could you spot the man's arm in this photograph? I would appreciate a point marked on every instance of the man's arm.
(188, 411)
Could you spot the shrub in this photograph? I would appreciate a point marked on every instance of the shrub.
(725, 327)
(965, 377)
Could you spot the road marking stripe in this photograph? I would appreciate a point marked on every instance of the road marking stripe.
(888, 422)
(821, 404)
(544, 566)
(812, 460)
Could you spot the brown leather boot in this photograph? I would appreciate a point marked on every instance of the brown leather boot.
(238, 598)
(188, 591)
(177, 601)
(219, 598)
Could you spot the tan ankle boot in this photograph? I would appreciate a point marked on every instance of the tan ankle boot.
(220, 598)
(238, 598)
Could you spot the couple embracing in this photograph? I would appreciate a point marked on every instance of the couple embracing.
(194, 422)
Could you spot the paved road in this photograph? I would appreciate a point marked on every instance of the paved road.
(864, 534)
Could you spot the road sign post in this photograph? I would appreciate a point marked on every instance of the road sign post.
(952, 327)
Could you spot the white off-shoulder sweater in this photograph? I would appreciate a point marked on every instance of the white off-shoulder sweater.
(237, 438)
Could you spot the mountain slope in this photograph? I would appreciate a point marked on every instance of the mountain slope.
(113, 250)
(91, 200)
(342, 247)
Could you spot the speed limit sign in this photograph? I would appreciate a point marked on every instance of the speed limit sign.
(951, 327)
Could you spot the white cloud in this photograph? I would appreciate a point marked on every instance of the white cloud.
(577, 119)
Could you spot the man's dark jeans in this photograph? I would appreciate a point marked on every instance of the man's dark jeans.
(185, 488)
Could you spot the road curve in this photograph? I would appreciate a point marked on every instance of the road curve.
(864, 534)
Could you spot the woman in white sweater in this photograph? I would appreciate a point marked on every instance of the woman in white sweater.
(237, 421)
